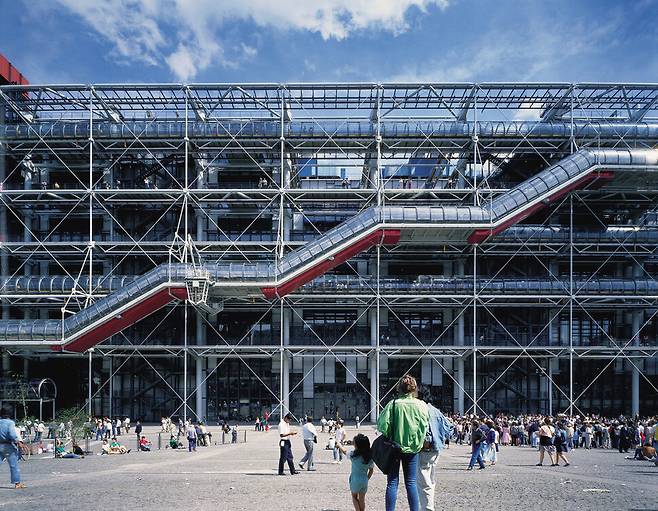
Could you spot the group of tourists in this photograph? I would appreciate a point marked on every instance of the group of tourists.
(422, 431)
(105, 428)
(262, 423)
(555, 436)
(581, 431)
(418, 429)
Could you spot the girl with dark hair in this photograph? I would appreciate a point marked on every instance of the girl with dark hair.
(362, 469)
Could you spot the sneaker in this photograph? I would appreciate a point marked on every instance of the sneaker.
(469, 468)
(301, 465)
(539, 465)
(295, 473)
(567, 464)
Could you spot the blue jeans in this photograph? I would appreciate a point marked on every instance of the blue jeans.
(338, 454)
(409, 469)
(191, 444)
(10, 453)
(476, 455)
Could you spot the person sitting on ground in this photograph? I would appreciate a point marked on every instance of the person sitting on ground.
(61, 452)
(174, 443)
(144, 444)
(644, 453)
(117, 448)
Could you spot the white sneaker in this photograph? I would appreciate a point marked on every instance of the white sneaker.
(335, 462)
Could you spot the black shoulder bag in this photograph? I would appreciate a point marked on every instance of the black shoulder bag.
(385, 452)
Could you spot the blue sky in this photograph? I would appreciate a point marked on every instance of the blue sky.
(94, 41)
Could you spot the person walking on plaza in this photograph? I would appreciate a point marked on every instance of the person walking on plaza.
(561, 446)
(340, 436)
(491, 454)
(477, 443)
(9, 447)
(411, 418)
(310, 437)
(138, 430)
(362, 470)
(546, 434)
(285, 448)
(190, 431)
(438, 432)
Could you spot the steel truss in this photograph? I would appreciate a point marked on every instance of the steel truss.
(108, 181)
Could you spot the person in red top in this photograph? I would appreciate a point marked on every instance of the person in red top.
(144, 444)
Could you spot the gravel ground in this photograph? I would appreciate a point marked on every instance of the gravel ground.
(243, 477)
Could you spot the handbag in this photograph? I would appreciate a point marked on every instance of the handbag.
(385, 451)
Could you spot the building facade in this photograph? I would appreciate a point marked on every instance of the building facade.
(223, 250)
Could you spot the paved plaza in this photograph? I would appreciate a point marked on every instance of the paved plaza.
(243, 477)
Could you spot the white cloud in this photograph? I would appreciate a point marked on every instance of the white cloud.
(536, 51)
(186, 34)
(183, 62)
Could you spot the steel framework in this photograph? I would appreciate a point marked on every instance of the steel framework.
(551, 309)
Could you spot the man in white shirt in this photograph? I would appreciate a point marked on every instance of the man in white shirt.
(285, 454)
(340, 436)
(309, 434)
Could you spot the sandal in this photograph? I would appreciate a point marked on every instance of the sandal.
(19, 486)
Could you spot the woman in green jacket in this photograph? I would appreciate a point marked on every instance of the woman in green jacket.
(411, 424)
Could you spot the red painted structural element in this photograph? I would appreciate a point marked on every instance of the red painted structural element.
(158, 300)
(9, 74)
(597, 179)
(380, 236)
(129, 317)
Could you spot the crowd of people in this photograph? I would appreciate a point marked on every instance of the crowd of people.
(556, 436)
(421, 432)
(586, 432)
(418, 430)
